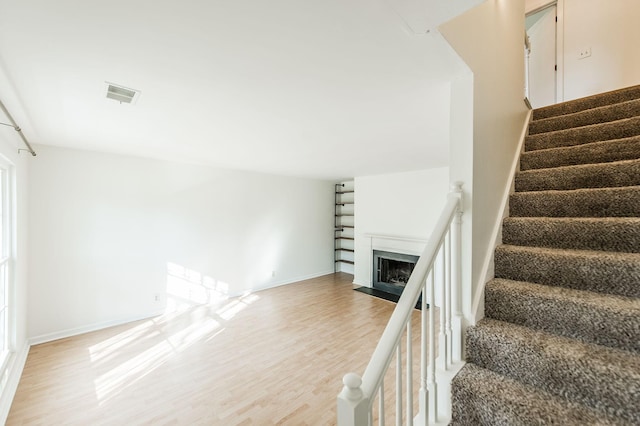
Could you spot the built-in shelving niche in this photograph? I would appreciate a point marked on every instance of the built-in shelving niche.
(344, 231)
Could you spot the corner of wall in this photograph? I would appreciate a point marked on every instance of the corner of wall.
(488, 39)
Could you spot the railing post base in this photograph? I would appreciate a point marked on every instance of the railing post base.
(423, 407)
(353, 407)
(432, 390)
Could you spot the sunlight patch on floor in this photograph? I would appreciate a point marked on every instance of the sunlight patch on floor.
(197, 306)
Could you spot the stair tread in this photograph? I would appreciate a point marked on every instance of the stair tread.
(617, 234)
(590, 317)
(601, 175)
(601, 271)
(483, 397)
(573, 252)
(588, 153)
(599, 377)
(587, 102)
(630, 187)
(582, 202)
(618, 129)
(598, 115)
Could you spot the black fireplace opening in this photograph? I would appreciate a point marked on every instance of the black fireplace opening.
(391, 271)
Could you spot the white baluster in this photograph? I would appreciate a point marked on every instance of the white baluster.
(456, 288)
(381, 414)
(399, 385)
(431, 381)
(409, 375)
(447, 304)
(442, 338)
(424, 393)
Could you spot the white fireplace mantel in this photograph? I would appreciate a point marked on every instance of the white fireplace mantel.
(396, 238)
(391, 243)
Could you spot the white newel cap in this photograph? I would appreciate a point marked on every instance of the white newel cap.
(351, 390)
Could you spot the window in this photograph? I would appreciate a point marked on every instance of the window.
(6, 261)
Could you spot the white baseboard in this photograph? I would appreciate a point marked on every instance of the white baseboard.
(49, 337)
(288, 281)
(44, 338)
(362, 283)
(13, 374)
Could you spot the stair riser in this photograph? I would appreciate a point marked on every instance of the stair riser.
(590, 102)
(582, 135)
(596, 152)
(578, 234)
(615, 202)
(587, 322)
(585, 118)
(597, 272)
(482, 397)
(582, 377)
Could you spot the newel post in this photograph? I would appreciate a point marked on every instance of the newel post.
(353, 407)
(456, 273)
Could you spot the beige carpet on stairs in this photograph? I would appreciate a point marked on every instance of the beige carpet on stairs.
(560, 342)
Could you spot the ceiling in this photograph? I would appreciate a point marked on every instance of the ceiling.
(325, 89)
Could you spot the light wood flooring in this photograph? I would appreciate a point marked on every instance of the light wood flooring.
(273, 357)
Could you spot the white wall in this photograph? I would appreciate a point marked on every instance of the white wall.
(489, 39)
(400, 205)
(610, 28)
(105, 229)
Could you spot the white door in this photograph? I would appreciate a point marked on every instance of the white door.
(541, 29)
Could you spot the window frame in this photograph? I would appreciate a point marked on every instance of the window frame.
(7, 257)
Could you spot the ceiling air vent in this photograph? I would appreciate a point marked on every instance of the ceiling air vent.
(122, 94)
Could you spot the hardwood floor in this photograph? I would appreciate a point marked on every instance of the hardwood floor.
(271, 357)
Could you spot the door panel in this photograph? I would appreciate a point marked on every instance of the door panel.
(542, 58)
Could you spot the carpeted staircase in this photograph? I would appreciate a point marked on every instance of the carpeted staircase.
(560, 342)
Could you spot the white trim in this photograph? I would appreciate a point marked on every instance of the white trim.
(16, 366)
(286, 282)
(49, 337)
(487, 272)
(397, 238)
(560, 51)
(361, 283)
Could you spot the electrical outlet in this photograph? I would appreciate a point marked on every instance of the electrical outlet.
(584, 53)
(156, 297)
(273, 274)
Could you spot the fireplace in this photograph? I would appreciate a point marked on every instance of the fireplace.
(391, 271)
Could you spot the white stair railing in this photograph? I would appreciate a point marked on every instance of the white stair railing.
(438, 268)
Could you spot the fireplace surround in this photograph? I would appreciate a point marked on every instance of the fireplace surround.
(391, 271)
